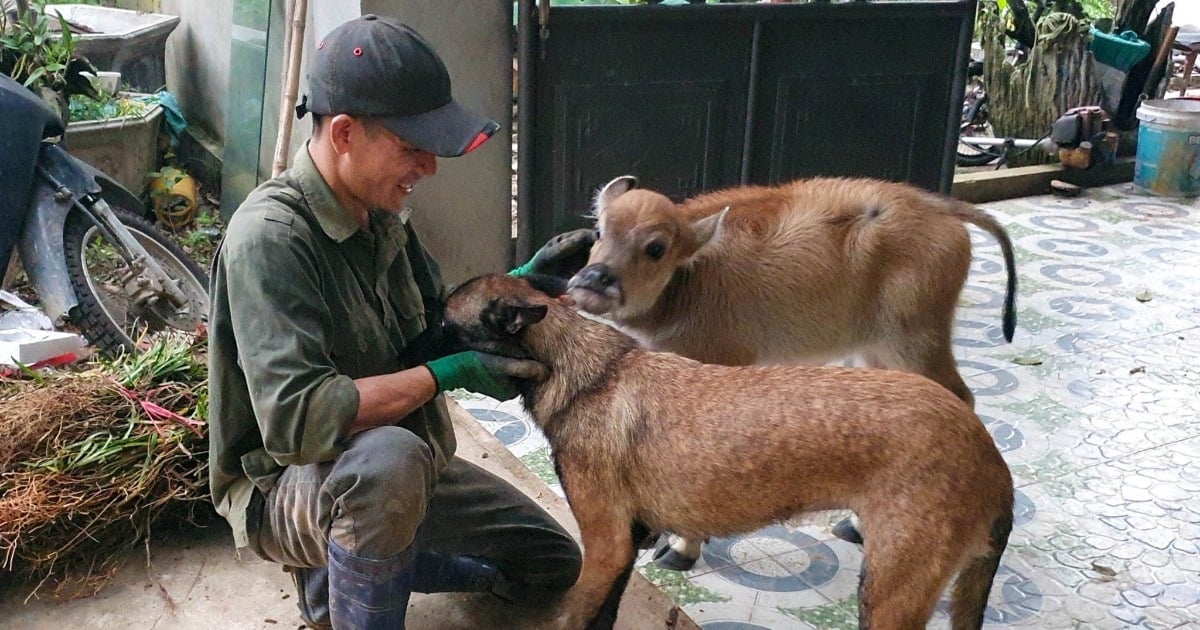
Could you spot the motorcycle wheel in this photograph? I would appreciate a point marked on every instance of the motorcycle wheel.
(972, 155)
(111, 319)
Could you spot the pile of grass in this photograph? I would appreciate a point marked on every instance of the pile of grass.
(90, 460)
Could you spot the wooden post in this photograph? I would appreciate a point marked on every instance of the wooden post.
(294, 47)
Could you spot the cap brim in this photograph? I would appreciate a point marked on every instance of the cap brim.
(448, 131)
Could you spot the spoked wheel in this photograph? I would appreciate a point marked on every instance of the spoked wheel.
(974, 155)
(116, 312)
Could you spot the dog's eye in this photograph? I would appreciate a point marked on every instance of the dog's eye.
(655, 250)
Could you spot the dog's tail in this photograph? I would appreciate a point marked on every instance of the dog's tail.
(970, 596)
(989, 224)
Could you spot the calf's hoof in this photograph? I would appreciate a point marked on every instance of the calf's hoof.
(672, 560)
(846, 530)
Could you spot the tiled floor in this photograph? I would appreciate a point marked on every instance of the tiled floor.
(1095, 405)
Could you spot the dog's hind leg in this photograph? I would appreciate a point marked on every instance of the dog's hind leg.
(902, 577)
(969, 598)
(679, 554)
(607, 617)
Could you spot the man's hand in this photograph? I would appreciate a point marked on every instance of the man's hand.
(562, 255)
(488, 374)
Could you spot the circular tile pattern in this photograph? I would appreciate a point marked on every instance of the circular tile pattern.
(1013, 598)
(818, 565)
(1021, 596)
(1006, 436)
(511, 429)
(1058, 223)
(990, 381)
(981, 265)
(1080, 275)
(1160, 232)
(1144, 210)
(977, 335)
(1024, 509)
(1090, 308)
(1072, 248)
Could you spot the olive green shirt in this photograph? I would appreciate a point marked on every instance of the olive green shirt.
(303, 302)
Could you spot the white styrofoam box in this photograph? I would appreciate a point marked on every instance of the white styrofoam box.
(27, 346)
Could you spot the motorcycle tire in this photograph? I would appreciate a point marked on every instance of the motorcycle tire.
(970, 155)
(106, 315)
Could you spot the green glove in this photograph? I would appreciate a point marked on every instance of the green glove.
(561, 256)
(488, 374)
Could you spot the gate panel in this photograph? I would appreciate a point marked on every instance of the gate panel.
(617, 93)
(698, 97)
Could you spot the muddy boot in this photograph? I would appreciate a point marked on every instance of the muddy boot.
(441, 573)
(312, 596)
(368, 594)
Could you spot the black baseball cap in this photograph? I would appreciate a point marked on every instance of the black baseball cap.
(373, 66)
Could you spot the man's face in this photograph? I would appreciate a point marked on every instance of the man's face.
(379, 169)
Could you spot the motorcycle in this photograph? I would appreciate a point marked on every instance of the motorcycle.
(88, 253)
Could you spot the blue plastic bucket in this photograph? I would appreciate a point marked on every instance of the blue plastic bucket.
(1168, 148)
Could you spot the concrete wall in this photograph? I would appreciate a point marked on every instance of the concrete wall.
(471, 195)
(198, 60)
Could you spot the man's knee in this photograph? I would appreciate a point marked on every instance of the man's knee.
(380, 488)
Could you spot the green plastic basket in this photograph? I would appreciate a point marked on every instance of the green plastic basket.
(1118, 51)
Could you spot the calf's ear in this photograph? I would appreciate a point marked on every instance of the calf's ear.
(708, 229)
(612, 190)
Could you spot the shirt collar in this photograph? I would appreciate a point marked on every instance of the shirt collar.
(335, 221)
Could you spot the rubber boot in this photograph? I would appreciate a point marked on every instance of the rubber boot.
(441, 573)
(368, 594)
(312, 596)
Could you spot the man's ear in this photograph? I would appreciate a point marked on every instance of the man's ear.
(511, 317)
(339, 130)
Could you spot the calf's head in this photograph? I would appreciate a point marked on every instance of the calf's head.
(644, 239)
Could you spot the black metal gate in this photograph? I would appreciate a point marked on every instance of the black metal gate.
(694, 98)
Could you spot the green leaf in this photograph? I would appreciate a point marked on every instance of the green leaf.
(1027, 360)
(34, 76)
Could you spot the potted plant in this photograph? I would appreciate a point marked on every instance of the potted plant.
(38, 58)
(116, 133)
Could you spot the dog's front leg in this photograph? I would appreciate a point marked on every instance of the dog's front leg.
(608, 556)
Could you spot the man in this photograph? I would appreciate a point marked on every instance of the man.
(329, 453)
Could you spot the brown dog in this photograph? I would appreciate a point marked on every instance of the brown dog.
(798, 273)
(629, 428)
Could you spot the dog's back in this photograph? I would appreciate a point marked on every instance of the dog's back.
(814, 435)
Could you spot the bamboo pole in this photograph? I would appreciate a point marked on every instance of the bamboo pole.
(294, 45)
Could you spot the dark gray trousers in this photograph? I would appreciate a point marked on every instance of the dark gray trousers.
(382, 499)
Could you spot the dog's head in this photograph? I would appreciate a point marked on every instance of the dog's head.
(490, 313)
(644, 239)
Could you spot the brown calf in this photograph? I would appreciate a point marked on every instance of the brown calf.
(802, 272)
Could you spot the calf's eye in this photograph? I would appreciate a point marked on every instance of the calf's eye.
(655, 250)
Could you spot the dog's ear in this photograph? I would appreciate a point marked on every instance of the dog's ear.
(552, 286)
(510, 317)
